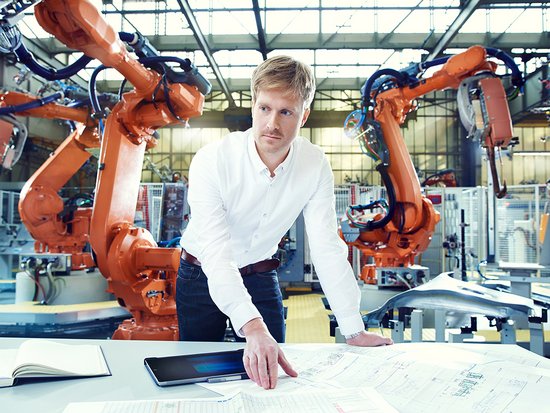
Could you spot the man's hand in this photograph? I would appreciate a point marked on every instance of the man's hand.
(262, 355)
(366, 339)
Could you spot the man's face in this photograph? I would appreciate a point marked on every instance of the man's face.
(277, 116)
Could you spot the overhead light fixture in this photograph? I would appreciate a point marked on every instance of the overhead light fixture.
(531, 153)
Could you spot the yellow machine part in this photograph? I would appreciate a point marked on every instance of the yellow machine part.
(543, 226)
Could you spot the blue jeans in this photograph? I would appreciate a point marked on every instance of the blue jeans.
(199, 319)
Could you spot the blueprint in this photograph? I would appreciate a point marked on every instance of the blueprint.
(352, 400)
(422, 377)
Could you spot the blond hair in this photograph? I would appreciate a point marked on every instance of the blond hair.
(286, 73)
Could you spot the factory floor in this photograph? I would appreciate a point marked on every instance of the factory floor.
(307, 319)
(307, 322)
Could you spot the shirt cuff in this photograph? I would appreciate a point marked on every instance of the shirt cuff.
(241, 315)
(351, 324)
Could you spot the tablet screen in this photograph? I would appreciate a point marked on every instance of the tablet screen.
(193, 368)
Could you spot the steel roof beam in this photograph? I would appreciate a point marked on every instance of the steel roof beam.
(203, 44)
(339, 41)
(261, 34)
(453, 29)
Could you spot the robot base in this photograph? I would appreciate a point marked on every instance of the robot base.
(163, 328)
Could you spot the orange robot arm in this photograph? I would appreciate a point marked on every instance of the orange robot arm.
(395, 237)
(141, 275)
(40, 205)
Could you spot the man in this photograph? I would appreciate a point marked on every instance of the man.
(245, 192)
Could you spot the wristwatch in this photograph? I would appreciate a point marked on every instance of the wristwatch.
(350, 336)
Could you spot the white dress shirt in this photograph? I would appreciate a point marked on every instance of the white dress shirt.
(239, 213)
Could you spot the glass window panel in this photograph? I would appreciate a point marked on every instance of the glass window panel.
(173, 4)
(236, 72)
(145, 23)
(389, 19)
(322, 72)
(335, 161)
(340, 56)
(204, 21)
(443, 19)
(364, 56)
(381, 4)
(440, 132)
(135, 5)
(196, 4)
(179, 143)
(526, 139)
(455, 50)
(417, 22)
(30, 28)
(429, 134)
(338, 3)
(443, 3)
(348, 21)
(176, 24)
(304, 55)
(229, 22)
(516, 20)
(542, 139)
(400, 3)
(430, 162)
(238, 57)
(116, 21)
(164, 143)
(290, 3)
(292, 22)
(338, 177)
(403, 59)
(229, 4)
(477, 23)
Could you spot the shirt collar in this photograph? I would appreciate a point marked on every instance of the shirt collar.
(257, 162)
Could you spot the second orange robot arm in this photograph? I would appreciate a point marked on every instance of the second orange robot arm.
(40, 204)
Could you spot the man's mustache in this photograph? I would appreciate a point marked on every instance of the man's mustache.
(274, 132)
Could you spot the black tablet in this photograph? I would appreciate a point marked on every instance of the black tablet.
(194, 368)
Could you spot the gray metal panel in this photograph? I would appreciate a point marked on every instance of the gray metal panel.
(398, 41)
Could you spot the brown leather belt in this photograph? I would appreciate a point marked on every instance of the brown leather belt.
(261, 266)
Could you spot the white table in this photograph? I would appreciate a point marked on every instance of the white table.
(129, 381)
(426, 370)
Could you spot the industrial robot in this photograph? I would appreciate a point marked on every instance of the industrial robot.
(392, 231)
(166, 91)
(55, 228)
